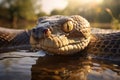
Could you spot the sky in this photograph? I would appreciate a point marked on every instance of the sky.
(49, 5)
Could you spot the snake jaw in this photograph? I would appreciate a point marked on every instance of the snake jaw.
(62, 45)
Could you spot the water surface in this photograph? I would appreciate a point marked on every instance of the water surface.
(39, 66)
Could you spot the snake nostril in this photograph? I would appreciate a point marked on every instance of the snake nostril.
(47, 32)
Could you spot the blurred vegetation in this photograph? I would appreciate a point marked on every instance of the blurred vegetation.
(115, 23)
(16, 11)
(22, 13)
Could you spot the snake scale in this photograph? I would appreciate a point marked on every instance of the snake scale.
(63, 35)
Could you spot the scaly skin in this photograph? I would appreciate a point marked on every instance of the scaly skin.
(12, 39)
(63, 35)
(50, 36)
(105, 45)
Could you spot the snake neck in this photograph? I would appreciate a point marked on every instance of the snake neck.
(12, 39)
(105, 45)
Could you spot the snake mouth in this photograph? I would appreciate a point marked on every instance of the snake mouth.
(60, 44)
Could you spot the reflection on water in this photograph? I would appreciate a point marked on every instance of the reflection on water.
(37, 66)
(60, 68)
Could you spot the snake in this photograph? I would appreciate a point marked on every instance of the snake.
(63, 35)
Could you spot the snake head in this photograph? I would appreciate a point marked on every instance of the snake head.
(62, 35)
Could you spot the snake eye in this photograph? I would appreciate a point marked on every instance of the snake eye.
(68, 26)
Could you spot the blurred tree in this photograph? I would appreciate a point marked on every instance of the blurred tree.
(56, 12)
(17, 9)
(72, 8)
(41, 13)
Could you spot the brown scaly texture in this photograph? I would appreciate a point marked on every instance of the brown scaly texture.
(12, 39)
(82, 37)
(63, 35)
(106, 45)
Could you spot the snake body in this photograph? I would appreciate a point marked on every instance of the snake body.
(64, 35)
(12, 39)
(105, 45)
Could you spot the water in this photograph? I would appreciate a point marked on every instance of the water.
(39, 66)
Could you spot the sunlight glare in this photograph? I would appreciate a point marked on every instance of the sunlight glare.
(49, 5)
(91, 1)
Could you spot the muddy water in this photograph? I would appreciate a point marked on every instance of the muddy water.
(39, 66)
